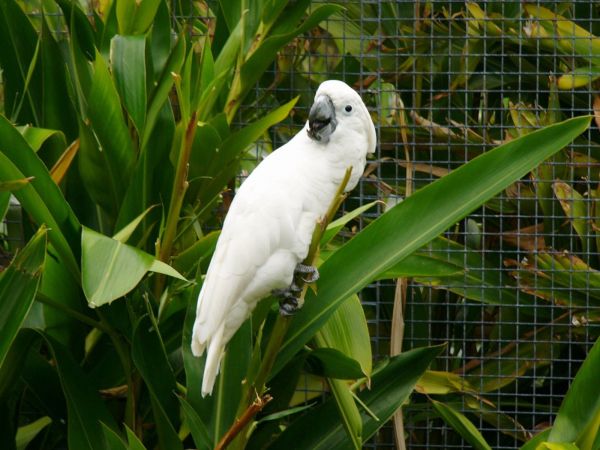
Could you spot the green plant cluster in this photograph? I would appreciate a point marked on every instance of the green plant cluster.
(121, 135)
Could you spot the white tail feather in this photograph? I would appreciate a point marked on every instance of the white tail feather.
(216, 349)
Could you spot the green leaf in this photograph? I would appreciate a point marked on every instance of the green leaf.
(14, 185)
(125, 233)
(110, 269)
(36, 137)
(581, 405)
(347, 331)
(422, 217)
(20, 42)
(149, 356)
(335, 227)
(462, 425)
(136, 17)
(86, 411)
(18, 286)
(160, 94)
(133, 441)
(80, 26)
(113, 440)
(197, 427)
(254, 67)
(27, 433)
(348, 410)
(109, 125)
(128, 62)
(41, 198)
(575, 208)
(390, 387)
(557, 446)
(332, 363)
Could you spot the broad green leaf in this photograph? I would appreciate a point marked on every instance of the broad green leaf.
(27, 433)
(566, 34)
(109, 125)
(462, 425)
(41, 198)
(332, 363)
(57, 111)
(347, 331)
(36, 137)
(86, 411)
(125, 233)
(14, 185)
(113, 440)
(14, 360)
(110, 269)
(557, 446)
(128, 63)
(261, 58)
(19, 42)
(582, 76)
(575, 208)
(80, 26)
(419, 219)
(581, 405)
(133, 441)
(203, 248)
(348, 411)
(228, 387)
(422, 265)
(334, 227)
(135, 17)
(441, 383)
(533, 443)
(18, 286)
(197, 427)
(160, 94)
(150, 358)
(390, 387)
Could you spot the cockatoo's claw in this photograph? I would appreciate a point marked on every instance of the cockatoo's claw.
(311, 272)
(288, 306)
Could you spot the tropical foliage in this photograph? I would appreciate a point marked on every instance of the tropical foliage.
(124, 128)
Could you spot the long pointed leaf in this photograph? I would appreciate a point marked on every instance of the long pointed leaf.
(18, 286)
(321, 429)
(417, 220)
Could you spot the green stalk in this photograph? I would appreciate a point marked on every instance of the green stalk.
(256, 388)
(180, 186)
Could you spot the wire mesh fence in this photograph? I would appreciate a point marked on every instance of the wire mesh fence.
(447, 81)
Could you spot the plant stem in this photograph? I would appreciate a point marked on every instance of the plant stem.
(241, 423)
(180, 185)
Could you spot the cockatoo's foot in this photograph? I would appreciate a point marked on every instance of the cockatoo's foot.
(288, 299)
(308, 274)
(288, 306)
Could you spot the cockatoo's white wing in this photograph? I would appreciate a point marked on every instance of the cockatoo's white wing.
(269, 225)
(266, 233)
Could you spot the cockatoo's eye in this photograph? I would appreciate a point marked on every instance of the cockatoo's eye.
(348, 108)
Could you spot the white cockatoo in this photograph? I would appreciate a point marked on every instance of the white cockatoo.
(267, 232)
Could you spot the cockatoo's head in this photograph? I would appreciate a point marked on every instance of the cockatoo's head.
(337, 107)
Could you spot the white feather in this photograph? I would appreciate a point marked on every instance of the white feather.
(269, 225)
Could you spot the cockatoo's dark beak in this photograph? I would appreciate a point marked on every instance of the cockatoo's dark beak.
(321, 119)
